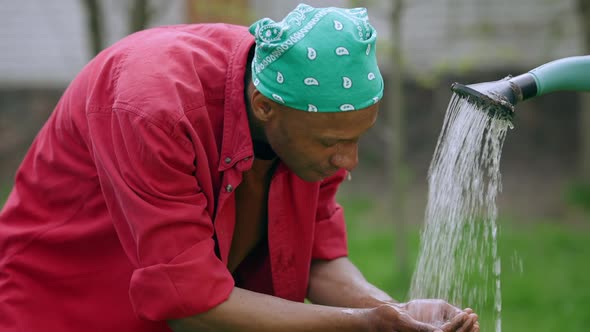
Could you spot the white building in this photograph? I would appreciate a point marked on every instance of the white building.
(44, 43)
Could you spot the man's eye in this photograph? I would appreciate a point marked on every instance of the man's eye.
(329, 143)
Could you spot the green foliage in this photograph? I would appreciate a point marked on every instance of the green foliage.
(545, 270)
(578, 196)
(371, 248)
(4, 191)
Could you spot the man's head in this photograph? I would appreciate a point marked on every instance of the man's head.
(316, 87)
(313, 145)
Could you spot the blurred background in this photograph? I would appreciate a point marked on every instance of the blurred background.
(544, 208)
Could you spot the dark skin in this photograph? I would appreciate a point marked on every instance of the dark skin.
(315, 146)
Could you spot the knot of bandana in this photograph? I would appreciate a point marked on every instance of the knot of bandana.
(318, 59)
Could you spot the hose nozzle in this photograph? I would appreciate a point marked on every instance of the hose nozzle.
(498, 98)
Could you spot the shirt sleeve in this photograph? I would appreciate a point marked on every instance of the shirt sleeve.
(162, 217)
(330, 228)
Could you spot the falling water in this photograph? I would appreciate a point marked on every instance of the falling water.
(459, 258)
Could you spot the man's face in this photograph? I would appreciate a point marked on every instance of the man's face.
(317, 145)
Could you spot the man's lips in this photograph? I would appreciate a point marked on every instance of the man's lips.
(327, 174)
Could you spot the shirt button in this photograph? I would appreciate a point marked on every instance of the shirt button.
(247, 158)
(227, 160)
(229, 188)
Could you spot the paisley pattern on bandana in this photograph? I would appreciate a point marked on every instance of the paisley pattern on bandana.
(318, 59)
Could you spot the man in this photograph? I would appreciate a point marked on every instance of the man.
(186, 180)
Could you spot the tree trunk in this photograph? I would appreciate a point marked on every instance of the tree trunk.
(399, 168)
(140, 14)
(584, 12)
(94, 24)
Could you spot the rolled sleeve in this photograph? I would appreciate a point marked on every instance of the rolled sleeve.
(161, 214)
(330, 228)
(192, 282)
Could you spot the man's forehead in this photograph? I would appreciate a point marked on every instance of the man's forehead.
(342, 126)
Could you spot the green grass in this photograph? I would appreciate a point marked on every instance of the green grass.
(577, 195)
(4, 191)
(551, 292)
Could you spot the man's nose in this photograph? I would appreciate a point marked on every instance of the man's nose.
(346, 158)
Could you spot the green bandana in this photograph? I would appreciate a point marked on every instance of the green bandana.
(318, 60)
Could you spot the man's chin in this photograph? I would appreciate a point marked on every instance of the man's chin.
(311, 176)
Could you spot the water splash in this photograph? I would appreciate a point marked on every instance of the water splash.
(459, 258)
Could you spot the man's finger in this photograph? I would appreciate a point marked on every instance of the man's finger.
(423, 327)
(413, 325)
(455, 323)
(451, 312)
(469, 324)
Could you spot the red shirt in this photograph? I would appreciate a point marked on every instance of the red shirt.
(123, 210)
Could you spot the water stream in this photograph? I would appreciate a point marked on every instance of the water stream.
(458, 258)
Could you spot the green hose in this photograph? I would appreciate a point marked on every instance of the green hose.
(567, 74)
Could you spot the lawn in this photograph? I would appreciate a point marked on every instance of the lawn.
(545, 269)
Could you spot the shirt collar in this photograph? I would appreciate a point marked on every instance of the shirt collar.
(236, 143)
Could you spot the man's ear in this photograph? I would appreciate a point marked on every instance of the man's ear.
(263, 108)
